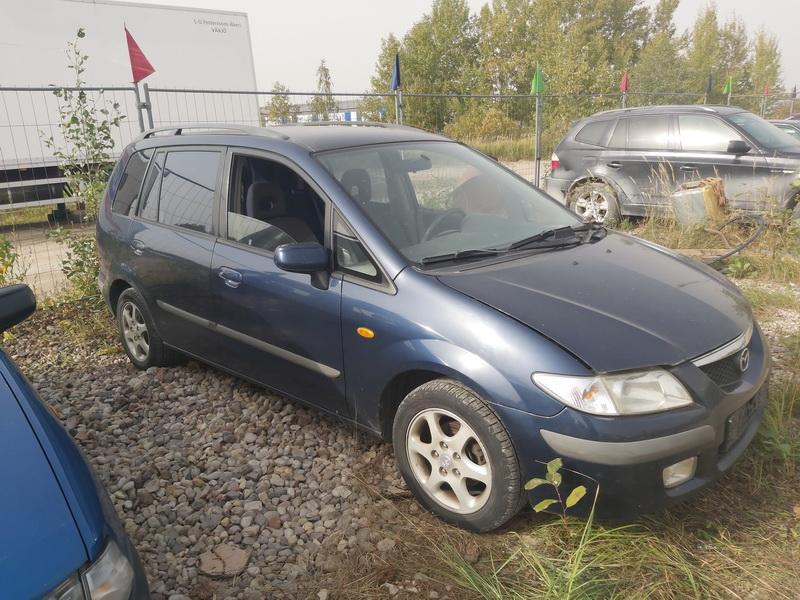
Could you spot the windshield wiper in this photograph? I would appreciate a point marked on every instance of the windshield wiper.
(559, 236)
(470, 253)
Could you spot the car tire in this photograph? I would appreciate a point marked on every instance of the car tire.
(442, 433)
(596, 199)
(138, 334)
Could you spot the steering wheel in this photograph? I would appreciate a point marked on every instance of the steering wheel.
(437, 222)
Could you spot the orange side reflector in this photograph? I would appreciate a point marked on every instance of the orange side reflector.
(365, 332)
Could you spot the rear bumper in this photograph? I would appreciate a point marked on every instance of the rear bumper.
(557, 188)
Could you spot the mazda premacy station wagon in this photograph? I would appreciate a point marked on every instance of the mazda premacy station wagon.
(418, 289)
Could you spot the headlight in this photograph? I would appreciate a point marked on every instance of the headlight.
(623, 394)
(110, 577)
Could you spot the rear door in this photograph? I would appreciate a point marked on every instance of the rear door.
(704, 153)
(638, 159)
(172, 241)
(278, 328)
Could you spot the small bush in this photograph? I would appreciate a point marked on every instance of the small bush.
(81, 264)
(482, 123)
(10, 269)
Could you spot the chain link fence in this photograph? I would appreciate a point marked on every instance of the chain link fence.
(34, 201)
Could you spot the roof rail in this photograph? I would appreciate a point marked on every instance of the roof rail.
(180, 129)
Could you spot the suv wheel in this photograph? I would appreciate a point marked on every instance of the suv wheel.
(456, 456)
(139, 338)
(594, 201)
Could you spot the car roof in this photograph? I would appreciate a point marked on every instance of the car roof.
(317, 137)
(669, 109)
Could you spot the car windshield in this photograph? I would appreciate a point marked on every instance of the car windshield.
(765, 133)
(434, 199)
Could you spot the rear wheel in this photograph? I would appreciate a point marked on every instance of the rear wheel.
(140, 339)
(594, 202)
(456, 456)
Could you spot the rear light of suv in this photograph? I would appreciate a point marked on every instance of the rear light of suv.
(554, 162)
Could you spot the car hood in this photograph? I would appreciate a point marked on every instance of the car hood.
(617, 303)
(40, 545)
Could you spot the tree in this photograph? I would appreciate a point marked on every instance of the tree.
(280, 108)
(661, 65)
(323, 105)
(766, 68)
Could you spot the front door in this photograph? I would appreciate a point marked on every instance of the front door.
(275, 327)
(704, 153)
(172, 240)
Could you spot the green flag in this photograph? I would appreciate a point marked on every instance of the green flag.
(728, 86)
(537, 85)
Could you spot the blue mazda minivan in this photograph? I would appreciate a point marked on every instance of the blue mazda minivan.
(61, 538)
(418, 289)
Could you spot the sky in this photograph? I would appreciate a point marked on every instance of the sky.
(290, 37)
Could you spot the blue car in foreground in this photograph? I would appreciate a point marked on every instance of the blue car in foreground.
(60, 538)
(420, 290)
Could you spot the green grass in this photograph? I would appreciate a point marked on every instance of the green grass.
(763, 300)
(505, 149)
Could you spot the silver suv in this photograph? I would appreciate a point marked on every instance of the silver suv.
(630, 161)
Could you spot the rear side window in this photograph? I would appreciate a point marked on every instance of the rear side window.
(642, 133)
(130, 183)
(148, 205)
(593, 133)
(705, 134)
(648, 133)
(187, 189)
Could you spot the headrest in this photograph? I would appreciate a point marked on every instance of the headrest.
(265, 200)
(357, 183)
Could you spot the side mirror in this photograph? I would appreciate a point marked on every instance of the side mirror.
(17, 303)
(738, 147)
(305, 257)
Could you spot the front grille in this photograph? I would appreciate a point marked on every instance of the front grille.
(725, 372)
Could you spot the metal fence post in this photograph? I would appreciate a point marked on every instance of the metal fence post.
(138, 106)
(537, 150)
(148, 106)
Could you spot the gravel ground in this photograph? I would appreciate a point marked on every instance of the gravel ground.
(195, 459)
(212, 475)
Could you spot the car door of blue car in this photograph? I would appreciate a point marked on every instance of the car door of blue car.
(280, 329)
(172, 240)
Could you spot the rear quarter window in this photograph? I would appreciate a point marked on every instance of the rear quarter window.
(593, 133)
(130, 183)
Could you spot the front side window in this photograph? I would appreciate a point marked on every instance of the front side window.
(764, 133)
(445, 198)
(270, 205)
(130, 183)
(187, 189)
(705, 134)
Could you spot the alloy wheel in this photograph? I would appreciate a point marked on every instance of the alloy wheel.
(592, 205)
(449, 460)
(134, 332)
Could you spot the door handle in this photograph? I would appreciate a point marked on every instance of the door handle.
(232, 278)
(688, 167)
(615, 164)
(138, 247)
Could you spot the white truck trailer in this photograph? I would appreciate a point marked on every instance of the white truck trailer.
(189, 48)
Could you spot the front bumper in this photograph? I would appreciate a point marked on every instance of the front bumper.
(626, 456)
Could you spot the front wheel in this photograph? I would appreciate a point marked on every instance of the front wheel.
(456, 456)
(594, 202)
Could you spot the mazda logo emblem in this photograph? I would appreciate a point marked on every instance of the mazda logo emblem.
(744, 360)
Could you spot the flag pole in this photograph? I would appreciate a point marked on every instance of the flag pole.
(139, 106)
(396, 108)
(400, 103)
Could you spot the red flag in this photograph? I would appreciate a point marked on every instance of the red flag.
(766, 89)
(625, 83)
(140, 66)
